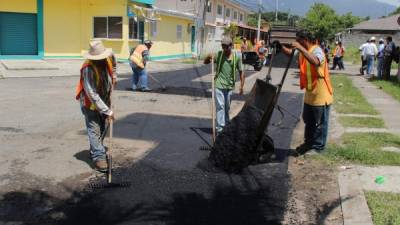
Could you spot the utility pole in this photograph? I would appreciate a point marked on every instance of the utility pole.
(201, 8)
(276, 10)
(259, 20)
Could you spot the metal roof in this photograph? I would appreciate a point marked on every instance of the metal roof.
(387, 23)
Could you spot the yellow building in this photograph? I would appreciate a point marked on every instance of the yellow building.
(63, 28)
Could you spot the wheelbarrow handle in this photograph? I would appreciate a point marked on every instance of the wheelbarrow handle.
(286, 71)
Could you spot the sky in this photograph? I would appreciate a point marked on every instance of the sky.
(362, 8)
(391, 2)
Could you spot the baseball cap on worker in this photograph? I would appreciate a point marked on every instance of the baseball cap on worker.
(372, 38)
(97, 51)
(226, 41)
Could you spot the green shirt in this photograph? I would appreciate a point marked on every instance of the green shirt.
(226, 76)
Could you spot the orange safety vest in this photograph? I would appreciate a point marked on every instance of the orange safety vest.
(80, 87)
(338, 49)
(309, 73)
(137, 56)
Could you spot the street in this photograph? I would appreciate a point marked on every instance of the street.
(45, 165)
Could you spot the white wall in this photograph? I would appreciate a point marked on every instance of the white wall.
(188, 6)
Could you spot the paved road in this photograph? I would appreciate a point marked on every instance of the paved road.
(44, 164)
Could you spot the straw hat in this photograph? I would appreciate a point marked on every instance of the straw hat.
(97, 51)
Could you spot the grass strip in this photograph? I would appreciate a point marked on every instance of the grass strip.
(385, 207)
(391, 87)
(365, 148)
(348, 99)
(349, 121)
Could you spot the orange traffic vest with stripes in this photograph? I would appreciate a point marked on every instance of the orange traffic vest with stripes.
(309, 73)
(137, 56)
(79, 88)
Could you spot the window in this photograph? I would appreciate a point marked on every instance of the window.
(179, 32)
(228, 12)
(153, 28)
(107, 27)
(133, 28)
(209, 7)
(241, 17)
(219, 9)
(235, 15)
(136, 28)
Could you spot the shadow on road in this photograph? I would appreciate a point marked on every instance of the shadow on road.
(167, 187)
(187, 82)
(84, 156)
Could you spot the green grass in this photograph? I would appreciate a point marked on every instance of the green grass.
(365, 148)
(349, 121)
(385, 207)
(348, 99)
(352, 54)
(392, 87)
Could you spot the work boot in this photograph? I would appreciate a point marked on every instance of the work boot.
(146, 89)
(101, 165)
(300, 150)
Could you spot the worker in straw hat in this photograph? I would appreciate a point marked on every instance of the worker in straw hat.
(94, 91)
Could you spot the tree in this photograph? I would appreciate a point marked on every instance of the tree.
(324, 23)
(231, 30)
(252, 20)
(348, 20)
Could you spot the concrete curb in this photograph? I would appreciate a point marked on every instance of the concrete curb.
(354, 205)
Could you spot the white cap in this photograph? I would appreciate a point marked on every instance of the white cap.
(372, 38)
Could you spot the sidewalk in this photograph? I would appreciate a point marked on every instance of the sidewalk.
(386, 105)
(71, 67)
(354, 180)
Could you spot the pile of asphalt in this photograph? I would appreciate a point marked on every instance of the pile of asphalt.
(235, 148)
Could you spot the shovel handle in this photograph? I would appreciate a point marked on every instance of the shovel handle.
(213, 98)
(109, 152)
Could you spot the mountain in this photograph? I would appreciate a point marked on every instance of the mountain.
(362, 8)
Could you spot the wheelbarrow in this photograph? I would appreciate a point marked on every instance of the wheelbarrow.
(245, 140)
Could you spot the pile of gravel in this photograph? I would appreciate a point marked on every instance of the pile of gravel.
(235, 148)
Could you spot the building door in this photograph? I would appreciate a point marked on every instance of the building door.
(193, 44)
(141, 31)
(18, 34)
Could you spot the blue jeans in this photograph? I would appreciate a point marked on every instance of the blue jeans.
(222, 105)
(380, 67)
(316, 119)
(95, 126)
(139, 76)
(370, 64)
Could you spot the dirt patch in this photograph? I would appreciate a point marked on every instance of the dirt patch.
(314, 197)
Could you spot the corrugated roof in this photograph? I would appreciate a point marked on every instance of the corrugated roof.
(388, 23)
